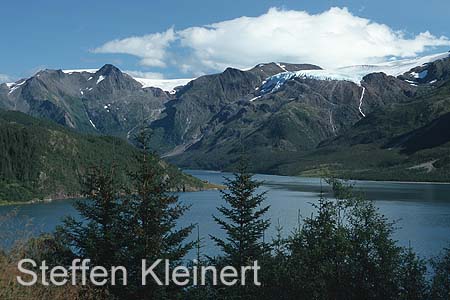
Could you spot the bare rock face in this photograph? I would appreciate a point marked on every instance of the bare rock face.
(106, 102)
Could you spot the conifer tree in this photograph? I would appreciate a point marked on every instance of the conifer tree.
(243, 218)
(121, 227)
(346, 251)
(244, 225)
(98, 237)
(151, 227)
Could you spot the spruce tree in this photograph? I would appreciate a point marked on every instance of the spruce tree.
(243, 221)
(151, 227)
(244, 225)
(275, 266)
(97, 236)
(121, 227)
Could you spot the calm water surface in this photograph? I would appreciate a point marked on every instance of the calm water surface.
(422, 211)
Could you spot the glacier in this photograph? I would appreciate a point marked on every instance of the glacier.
(353, 74)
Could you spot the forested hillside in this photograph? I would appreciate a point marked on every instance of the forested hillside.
(42, 160)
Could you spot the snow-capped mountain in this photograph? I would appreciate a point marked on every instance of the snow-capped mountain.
(105, 101)
(167, 85)
(271, 108)
(290, 110)
(356, 73)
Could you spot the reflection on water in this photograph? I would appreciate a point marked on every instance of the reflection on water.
(422, 210)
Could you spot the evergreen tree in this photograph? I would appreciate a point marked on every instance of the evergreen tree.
(98, 238)
(316, 264)
(275, 269)
(151, 224)
(244, 225)
(243, 222)
(121, 227)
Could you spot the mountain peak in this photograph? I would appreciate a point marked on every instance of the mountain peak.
(108, 69)
(266, 70)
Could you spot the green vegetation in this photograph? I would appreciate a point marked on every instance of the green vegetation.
(42, 160)
(244, 224)
(243, 220)
(400, 142)
(404, 136)
(124, 228)
(345, 251)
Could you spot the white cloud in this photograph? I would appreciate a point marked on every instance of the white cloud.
(150, 48)
(5, 78)
(146, 75)
(330, 39)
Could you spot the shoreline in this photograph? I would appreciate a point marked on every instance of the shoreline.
(209, 186)
(404, 182)
(349, 179)
(60, 197)
(365, 180)
(381, 180)
(40, 201)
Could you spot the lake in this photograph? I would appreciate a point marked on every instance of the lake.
(422, 211)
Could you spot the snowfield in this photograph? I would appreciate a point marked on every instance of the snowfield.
(353, 73)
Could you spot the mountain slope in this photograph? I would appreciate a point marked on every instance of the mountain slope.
(291, 113)
(295, 117)
(40, 159)
(283, 113)
(187, 116)
(105, 102)
(403, 141)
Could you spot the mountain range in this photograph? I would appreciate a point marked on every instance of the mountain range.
(385, 121)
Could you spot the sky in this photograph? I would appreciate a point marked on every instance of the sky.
(184, 39)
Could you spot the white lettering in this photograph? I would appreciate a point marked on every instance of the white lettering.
(28, 272)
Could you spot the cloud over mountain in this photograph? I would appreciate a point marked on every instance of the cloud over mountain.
(4, 78)
(151, 48)
(330, 39)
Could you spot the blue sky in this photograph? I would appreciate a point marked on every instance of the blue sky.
(75, 34)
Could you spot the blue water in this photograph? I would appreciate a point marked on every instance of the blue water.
(422, 211)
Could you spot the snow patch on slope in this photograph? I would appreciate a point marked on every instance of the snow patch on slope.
(361, 101)
(15, 86)
(282, 67)
(92, 123)
(420, 75)
(100, 79)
